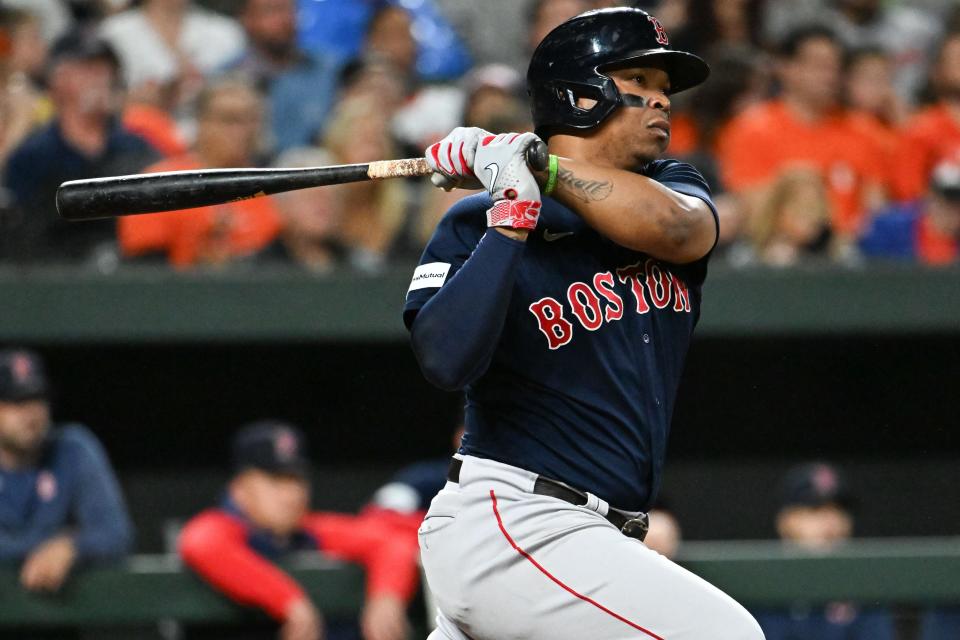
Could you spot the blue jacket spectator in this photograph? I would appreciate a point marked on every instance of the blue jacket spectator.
(339, 27)
(838, 621)
(60, 503)
(940, 624)
(925, 231)
(300, 86)
(816, 513)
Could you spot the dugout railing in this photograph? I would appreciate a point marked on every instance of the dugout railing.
(146, 589)
(152, 305)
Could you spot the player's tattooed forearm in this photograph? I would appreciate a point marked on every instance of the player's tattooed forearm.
(586, 190)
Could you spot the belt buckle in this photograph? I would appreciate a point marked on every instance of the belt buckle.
(636, 527)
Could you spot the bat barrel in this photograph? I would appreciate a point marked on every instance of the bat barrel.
(154, 192)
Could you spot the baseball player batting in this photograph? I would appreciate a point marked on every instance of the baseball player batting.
(563, 301)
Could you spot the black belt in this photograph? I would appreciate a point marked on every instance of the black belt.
(633, 527)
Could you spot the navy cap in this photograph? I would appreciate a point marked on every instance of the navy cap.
(79, 45)
(815, 485)
(21, 376)
(271, 446)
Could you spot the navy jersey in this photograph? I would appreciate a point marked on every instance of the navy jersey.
(837, 621)
(582, 383)
(72, 487)
(940, 624)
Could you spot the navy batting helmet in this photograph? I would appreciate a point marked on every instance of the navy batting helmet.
(571, 60)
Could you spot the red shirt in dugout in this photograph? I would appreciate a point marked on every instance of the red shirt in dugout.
(221, 547)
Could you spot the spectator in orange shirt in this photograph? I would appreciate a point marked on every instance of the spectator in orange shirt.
(806, 125)
(933, 135)
(229, 114)
(148, 112)
(741, 80)
(876, 108)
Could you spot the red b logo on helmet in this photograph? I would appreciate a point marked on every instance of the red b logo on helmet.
(661, 33)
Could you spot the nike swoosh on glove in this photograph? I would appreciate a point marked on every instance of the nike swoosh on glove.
(501, 165)
(452, 159)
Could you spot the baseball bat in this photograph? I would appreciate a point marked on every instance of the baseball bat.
(114, 196)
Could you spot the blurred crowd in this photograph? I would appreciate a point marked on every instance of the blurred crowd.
(829, 131)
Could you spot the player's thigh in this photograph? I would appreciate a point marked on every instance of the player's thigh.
(639, 593)
(565, 574)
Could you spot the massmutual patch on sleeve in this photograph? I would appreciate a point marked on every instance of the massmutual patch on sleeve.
(430, 275)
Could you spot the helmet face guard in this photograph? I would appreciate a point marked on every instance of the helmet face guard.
(571, 61)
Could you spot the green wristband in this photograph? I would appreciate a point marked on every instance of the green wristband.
(554, 167)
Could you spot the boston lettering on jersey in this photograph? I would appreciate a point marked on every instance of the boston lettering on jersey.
(650, 283)
(589, 350)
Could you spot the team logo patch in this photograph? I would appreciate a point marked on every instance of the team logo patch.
(46, 486)
(661, 32)
(428, 276)
(285, 445)
(22, 369)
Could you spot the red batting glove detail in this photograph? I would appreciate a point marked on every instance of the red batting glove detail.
(435, 151)
(453, 167)
(463, 163)
(516, 214)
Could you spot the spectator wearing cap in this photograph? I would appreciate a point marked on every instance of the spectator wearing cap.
(300, 86)
(60, 504)
(927, 230)
(265, 516)
(816, 513)
(84, 140)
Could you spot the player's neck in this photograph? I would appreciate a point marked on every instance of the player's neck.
(588, 149)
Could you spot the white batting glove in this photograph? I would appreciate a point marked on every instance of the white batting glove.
(452, 159)
(501, 165)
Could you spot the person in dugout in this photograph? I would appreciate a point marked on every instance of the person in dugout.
(265, 516)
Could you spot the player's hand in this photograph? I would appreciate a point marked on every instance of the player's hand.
(46, 569)
(501, 165)
(452, 159)
(303, 622)
(384, 618)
